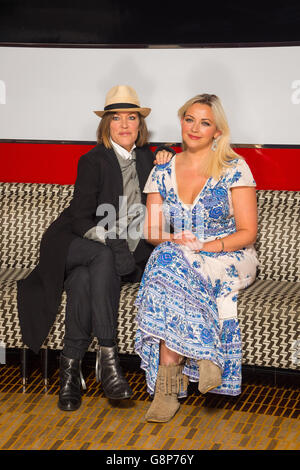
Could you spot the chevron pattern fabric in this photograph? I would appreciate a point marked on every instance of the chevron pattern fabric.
(269, 310)
(269, 315)
(278, 241)
(27, 209)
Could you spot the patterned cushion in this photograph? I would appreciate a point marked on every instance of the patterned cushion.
(269, 315)
(27, 209)
(10, 333)
(268, 310)
(66, 195)
(278, 241)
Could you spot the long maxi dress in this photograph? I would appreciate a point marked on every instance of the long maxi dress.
(189, 299)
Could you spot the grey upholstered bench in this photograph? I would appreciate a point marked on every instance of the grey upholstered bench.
(268, 311)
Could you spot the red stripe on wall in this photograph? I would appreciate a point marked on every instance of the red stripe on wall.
(40, 163)
(272, 168)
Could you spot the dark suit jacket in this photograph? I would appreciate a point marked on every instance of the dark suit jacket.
(99, 181)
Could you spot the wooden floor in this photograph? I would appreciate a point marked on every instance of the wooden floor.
(264, 417)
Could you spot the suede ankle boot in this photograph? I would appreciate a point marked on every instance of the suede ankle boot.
(210, 376)
(170, 381)
(71, 381)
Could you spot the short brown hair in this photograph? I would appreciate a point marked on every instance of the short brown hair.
(103, 131)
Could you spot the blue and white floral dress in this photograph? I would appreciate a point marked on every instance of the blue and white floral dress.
(189, 299)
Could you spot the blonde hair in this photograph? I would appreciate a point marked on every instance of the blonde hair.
(103, 131)
(224, 154)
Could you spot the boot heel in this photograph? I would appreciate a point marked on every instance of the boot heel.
(97, 367)
(82, 381)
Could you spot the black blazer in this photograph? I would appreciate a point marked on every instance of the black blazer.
(99, 181)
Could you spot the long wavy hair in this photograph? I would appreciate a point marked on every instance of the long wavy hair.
(224, 154)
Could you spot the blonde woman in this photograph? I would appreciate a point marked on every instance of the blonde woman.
(202, 218)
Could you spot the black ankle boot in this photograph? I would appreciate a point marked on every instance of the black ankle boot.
(109, 373)
(71, 381)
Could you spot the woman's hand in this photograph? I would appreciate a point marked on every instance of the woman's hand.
(188, 239)
(162, 157)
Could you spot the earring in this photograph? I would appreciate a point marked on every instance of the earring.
(214, 145)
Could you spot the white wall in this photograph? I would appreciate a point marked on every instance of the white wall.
(50, 93)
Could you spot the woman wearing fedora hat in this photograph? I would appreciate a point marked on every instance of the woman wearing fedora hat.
(94, 244)
(187, 318)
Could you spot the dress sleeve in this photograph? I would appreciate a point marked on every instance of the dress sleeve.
(151, 185)
(241, 175)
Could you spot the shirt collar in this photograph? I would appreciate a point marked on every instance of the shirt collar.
(120, 151)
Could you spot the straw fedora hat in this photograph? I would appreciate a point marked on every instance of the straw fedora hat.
(123, 98)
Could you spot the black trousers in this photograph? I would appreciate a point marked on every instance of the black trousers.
(93, 293)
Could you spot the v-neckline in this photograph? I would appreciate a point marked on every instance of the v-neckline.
(174, 177)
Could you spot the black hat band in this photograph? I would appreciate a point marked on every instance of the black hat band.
(120, 105)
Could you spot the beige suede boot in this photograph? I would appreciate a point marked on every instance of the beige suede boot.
(210, 375)
(170, 381)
